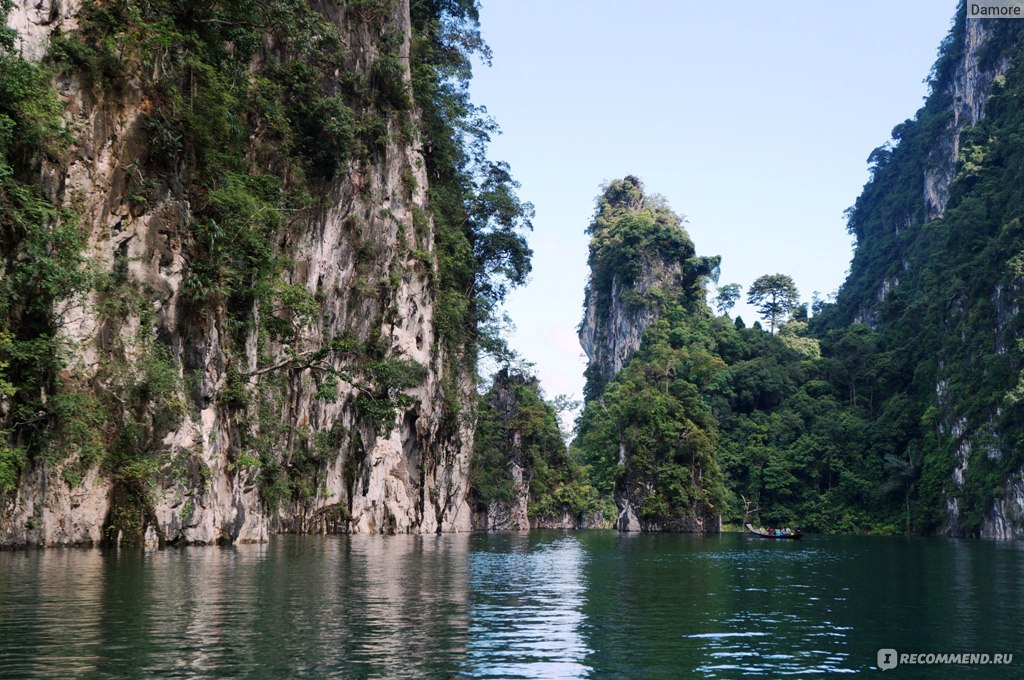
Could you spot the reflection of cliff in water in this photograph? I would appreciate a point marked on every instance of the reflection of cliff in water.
(526, 616)
(543, 604)
(50, 612)
(326, 607)
(403, 611)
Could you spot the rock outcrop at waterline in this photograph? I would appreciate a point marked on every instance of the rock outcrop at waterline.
(522, 474)
(645, 275)
(196, 414)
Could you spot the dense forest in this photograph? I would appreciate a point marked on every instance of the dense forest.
(894, 407)
(253, 254)
(708, 412)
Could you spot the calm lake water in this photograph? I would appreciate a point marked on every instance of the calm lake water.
(543, 604)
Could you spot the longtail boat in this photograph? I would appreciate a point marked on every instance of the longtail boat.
(775, 533)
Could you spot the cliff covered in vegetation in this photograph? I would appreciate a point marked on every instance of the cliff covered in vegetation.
(646, 431)
(522, 474)
(936, 277)
(252, 251)
(246, 261)
(895, 409)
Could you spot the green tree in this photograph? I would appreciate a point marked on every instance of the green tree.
(479, 219)
(775, 296)
(727, 297)
(902, 472)
(517, 428)
(651, 438)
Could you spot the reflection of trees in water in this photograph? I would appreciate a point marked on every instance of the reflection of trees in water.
(325, 607)
(542, 604)
(405, 604)
(381, 606)
(50, 618)
(674, 605)
(196, 610)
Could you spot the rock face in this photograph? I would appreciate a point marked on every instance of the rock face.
(981, 61)
(511, 515)
(917, 230)
(978, 63)
(963, 80)
(617, 310)
(353, 255)
(967, 89)
(611, 331)
(643, 267)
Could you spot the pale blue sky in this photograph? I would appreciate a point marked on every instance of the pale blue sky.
(753, 118)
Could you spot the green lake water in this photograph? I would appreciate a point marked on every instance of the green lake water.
(542, 604)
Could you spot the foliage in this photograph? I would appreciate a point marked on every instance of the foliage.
(790, 442)
(936, 286)
(383, 392)
(12, 459)
(478, 218)
(727, 296)
(43, 263)
(810, 426)
(774, 296)
(651, 437)
(839, 425)
(648, 434)
(631, 233)
(517, 428)
(249, 110)
(639, 248)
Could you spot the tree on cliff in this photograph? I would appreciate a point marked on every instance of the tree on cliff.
(651, 439)
(519, 450)
(727, 297)
(774, 296)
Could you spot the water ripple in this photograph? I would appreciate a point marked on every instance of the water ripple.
(537, 605)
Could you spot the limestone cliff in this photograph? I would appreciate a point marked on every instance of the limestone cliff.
(522, 475)
(317, 398)
(611, 331)
(644, 273)
(916, 186)
(974, 68)
(629, 277)
(933, 273)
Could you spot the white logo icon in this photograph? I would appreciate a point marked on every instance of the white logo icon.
(887, 658)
